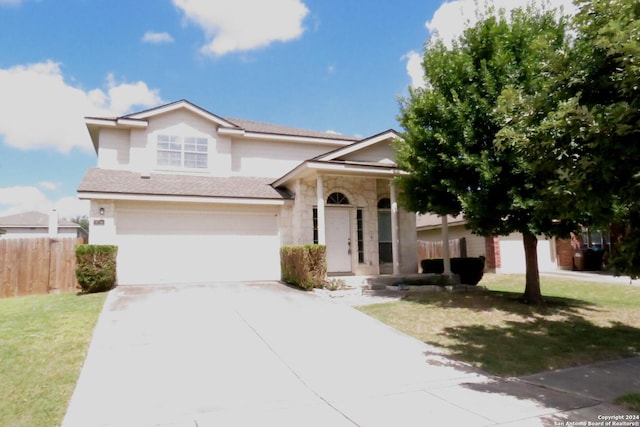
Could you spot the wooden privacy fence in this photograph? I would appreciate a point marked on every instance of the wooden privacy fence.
(430, 250)
(33, 266)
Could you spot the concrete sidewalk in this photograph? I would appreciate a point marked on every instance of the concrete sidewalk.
(601, 381)
(265, 354)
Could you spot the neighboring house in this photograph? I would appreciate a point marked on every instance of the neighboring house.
(189, 196)
(38, 224)
(504, 254)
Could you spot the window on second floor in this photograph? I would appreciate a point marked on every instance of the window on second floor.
(188, 152)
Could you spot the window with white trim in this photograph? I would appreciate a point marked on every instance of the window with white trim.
(188, 152)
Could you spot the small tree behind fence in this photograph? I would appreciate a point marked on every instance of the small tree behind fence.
(431, 250)
(31, 266)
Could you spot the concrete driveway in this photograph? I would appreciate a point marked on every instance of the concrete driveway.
(265, 354)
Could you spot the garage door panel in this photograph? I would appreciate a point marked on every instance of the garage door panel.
(177, 223)
(171, 247)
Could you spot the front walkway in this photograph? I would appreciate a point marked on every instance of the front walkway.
(266, 354)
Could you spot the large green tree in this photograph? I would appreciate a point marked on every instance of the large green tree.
(469, 133)
(594, 132)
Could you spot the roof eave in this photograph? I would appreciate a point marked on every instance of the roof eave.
(94, 124)
(242, 133)
(359, 145)
(183, 103)
(339, 168)
(98, 195)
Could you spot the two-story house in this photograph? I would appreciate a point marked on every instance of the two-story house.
(191, 197)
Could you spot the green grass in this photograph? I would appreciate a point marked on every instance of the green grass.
(580, 323)
(629, 401)
(43, 343)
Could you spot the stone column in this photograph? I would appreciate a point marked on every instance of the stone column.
(395, 242)
(322, 240)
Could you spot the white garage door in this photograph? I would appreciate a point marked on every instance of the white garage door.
(166, 244)
(512, 258)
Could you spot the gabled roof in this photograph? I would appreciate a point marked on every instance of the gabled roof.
(268, 128)
(122, 182)
(177, 105)
(331, 162)
(233, 127)
(359, 145)
(33, 219)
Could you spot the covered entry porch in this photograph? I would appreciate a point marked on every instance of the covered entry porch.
(354, 212)
(346, 199)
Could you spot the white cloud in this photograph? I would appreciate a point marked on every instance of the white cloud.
(450, 20)
(20, 199)
(123, 96)
(414, 68)
(242, 25)
(40, 109)
(452, 17)
(48, 185)
(157, 38)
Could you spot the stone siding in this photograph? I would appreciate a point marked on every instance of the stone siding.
(363, 193)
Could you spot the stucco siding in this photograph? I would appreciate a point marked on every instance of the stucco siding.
(381, 152)
(113, 152)
(183, 124)
(271, 158)
(102, 227)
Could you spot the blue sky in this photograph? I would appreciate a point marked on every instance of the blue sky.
(317, 64)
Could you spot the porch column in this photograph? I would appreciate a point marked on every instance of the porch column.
(322, 240)
(446, 257)
(395, 241)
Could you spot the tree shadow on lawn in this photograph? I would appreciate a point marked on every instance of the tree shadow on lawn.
(526, 347)
(509, 302)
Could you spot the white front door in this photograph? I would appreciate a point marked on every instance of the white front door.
(338, 232)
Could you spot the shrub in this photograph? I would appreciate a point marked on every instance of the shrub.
(304, 266)
(96, 267)
(470, 270)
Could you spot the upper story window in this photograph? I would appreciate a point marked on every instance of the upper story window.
(188, 152)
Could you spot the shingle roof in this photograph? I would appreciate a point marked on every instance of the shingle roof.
(126, 182)
(32, 219)
(261, 127)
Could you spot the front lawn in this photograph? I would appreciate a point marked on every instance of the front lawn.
(43, 344)
(580, 323)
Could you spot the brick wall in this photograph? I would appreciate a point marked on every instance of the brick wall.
(564, 253)
(492, 249)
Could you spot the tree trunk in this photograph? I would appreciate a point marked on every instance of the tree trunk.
(532, 294)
